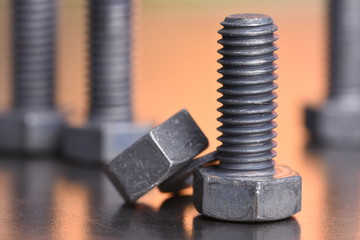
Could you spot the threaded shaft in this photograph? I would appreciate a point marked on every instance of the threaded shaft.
(110, 71)
(344, 47)
(247, 94)
(33, 53)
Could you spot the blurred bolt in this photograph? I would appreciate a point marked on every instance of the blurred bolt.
(246, 185)
(337, 122)
(109, 128)
(32, 124)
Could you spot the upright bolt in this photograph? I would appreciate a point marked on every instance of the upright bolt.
(110, 44)
(246, 185)
(109, 128)
(33, 123)
(336, 123)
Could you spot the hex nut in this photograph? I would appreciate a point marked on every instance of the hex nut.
(184, 177)
(30, 132)
(156, 156)
(100, 143)
(226, 196)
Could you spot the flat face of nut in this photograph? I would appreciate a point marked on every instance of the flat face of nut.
(246, 199)
(156, 156)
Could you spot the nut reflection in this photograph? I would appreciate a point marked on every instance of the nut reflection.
(205, 228)
(34, 181)
(144, 222)
(342, 193)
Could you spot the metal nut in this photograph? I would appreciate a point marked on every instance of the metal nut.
(156, 156)
(184, 177)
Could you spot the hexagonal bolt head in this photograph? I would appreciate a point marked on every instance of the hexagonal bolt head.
(227, 196)
(156, 156)
(96, 144)
(336, 123)
(35, 132)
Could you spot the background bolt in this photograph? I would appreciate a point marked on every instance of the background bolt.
(336, 123)
(109, 128)
(246, 185)
(33, 123)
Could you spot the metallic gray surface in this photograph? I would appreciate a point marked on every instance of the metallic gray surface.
(183, 178)
(205, 228)
(156, 156)
(96, 144)
(336, 122)
(30, 132)
(32, 126)
(246, 187)
(109, 128)
(228, 196)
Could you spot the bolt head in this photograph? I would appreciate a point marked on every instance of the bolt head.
(30, 132)
(96, 144)
(226, 196)
(156, 156)
(338, 123)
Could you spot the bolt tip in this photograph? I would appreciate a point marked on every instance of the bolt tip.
(247, 20)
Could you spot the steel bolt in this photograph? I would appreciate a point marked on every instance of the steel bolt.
(33, 123)
(109, 128)
(246, 185)
(336, 123)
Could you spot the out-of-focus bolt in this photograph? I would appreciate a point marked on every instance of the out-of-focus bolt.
(156, 156)
(337, 122)
(246, 185)
(33, 124)
(109, 128)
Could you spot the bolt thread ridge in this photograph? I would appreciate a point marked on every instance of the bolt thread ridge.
(110, 69)
(33, 37)
(247, 94)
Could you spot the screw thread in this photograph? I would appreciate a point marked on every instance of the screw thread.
(110, 71)
(33, 53)
(247, 94)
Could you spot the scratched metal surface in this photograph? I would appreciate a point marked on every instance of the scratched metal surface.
(176, 68)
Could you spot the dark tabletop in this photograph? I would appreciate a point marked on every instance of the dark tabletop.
(43, 198)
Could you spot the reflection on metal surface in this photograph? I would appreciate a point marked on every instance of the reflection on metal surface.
(30, 191)
(48, 199)
(341, 215)
(205, 228)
